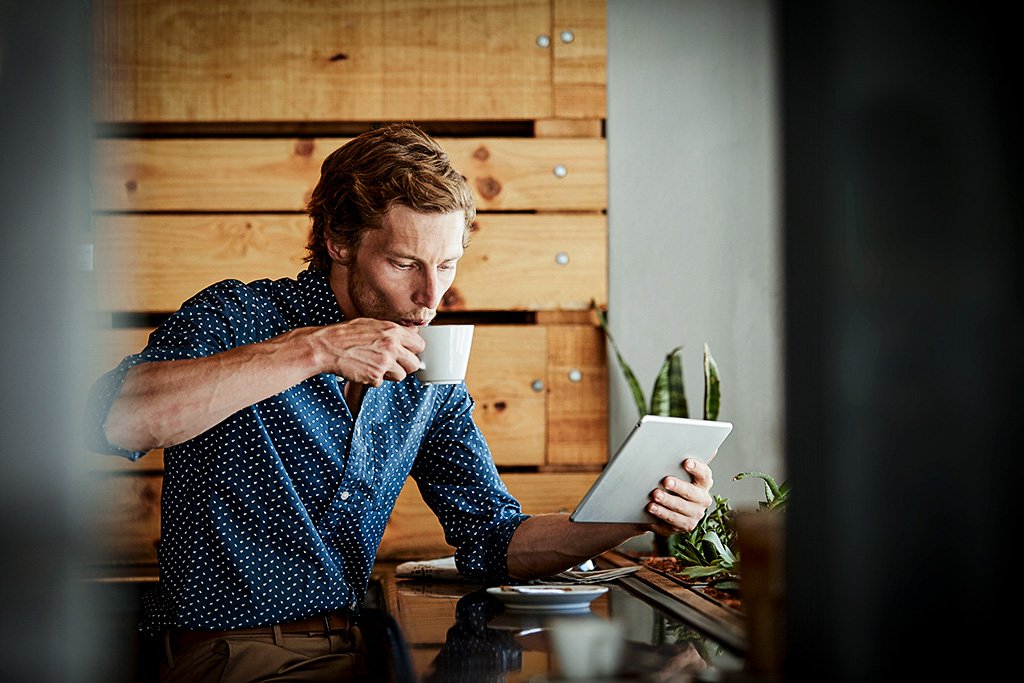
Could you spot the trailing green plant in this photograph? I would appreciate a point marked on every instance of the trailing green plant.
(708, 551)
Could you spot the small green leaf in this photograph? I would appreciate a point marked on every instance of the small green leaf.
(693, 552)
(712, 386)
(775, 495)
(661, 393)
(723, 551)
(627, 372)
(701, 572)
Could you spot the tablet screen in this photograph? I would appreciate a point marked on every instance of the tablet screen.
(654, 449)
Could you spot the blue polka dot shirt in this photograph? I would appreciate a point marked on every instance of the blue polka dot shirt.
(277, 512)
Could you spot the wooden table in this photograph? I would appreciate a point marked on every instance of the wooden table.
(455, 631)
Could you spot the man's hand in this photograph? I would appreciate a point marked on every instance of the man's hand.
(368, 351)
(546, 544)
(681, 504)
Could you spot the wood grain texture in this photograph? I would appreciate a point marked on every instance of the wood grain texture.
(568, 128)
(578, 396)
(504, 363)
(122, 517)
(278, 174)
(532, 262)
(320, 60)
(579, 71)
(154, 262)
(466, 59)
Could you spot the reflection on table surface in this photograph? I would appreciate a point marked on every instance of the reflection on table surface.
(457, 632)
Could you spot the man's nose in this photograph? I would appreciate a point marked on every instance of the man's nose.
(430, 290)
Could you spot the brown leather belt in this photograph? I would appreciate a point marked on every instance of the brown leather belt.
(322, 624)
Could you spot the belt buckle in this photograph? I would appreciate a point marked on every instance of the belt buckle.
(327, 622)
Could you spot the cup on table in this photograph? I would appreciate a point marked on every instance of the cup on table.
(587, 647)
(445, 357)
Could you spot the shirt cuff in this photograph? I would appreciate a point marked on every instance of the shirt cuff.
(486, 559)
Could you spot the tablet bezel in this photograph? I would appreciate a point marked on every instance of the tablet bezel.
(654, 448)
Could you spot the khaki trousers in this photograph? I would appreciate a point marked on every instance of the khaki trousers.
(276, 657)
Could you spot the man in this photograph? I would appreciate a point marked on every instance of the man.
(291, 421)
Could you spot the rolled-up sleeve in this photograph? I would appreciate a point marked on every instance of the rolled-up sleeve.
(101, 398)
(203, 326)
(457, 478)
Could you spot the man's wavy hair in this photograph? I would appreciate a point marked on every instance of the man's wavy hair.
(363, 179)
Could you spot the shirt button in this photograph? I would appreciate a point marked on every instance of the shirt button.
(344, 495)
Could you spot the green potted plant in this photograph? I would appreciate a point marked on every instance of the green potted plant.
(709, 552)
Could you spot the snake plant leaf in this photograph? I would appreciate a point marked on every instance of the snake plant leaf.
(712, 386)
(627, 372)
(676, 391)
(659, 392)
(665, 396)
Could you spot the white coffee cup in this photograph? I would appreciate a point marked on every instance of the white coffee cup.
(586, 647)
(445, 357)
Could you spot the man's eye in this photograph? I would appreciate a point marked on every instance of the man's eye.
(404, 266)
(446, 266)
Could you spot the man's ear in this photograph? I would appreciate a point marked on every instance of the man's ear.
(338, 253)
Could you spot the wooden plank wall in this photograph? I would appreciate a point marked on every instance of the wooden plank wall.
(213, 120)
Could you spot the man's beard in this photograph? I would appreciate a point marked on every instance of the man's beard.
(367, 301)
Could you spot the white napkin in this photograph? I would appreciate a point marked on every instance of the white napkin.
(443, 568)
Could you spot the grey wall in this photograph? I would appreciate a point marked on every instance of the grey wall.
(694, 236)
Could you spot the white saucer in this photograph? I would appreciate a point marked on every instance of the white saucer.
(547, 598)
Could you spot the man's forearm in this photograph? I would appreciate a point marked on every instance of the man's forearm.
(164, 403)
(547, 544)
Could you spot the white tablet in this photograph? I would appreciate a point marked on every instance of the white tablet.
(654, 449)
